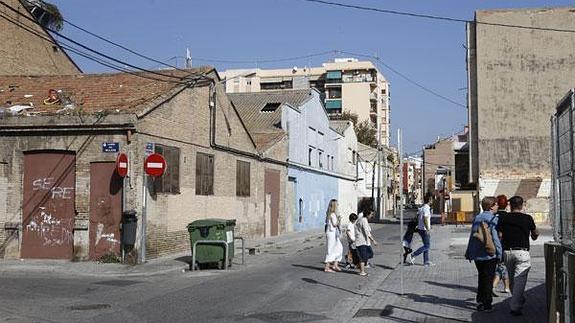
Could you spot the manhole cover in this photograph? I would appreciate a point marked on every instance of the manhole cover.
(89, 307)
(287, 316)
(118, 283)
(374, 312)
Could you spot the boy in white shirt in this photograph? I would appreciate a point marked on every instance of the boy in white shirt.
(352, 259)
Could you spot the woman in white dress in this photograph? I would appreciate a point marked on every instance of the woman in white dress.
(332, 233)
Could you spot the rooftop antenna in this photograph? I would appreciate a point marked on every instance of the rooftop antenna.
(188, 58)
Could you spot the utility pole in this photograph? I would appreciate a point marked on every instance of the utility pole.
(400, 205)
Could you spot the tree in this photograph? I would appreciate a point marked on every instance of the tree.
(47, 14)
(364, 131)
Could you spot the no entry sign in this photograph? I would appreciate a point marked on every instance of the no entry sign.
(155, 165)
(122, 165)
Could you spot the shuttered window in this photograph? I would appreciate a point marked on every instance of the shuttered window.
(169, 182)
(242, 178)
(204, 174)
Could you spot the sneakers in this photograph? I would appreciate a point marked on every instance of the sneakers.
(506, 291)
(429, 264)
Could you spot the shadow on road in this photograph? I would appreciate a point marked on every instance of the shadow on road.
(433, 299)
(386, 267)
(322, 268)
(315, 282)
(533, 311)
(452, 286)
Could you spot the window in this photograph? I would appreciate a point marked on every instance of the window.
(170, 181)
(354, 158)
(334, 93)
(327, 161)
(204, 174)
(332, 163)
(320, 161)
(270, 107)
(242, 178)
(309, 153)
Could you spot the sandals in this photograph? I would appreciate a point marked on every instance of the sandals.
(363, 274)
(327, 270)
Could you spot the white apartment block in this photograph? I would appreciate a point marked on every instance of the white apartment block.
(347, 84)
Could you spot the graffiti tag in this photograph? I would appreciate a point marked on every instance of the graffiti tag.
(56, 192)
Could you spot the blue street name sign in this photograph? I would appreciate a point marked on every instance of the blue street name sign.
(110, 147)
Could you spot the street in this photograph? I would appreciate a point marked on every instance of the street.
(281, 284)
(278, 286)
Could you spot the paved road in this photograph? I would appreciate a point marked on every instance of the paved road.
(282, 285)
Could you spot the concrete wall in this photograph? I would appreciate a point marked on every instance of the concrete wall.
(521, 74)
(355, 98)
(439, 154)
(24, 53)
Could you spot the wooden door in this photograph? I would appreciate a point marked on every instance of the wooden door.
(272, 187)
(48, 208)
(105, 210)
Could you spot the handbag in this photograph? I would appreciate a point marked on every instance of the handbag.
(483, 234)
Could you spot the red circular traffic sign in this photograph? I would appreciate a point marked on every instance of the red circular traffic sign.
(122, 164)
(155, 165)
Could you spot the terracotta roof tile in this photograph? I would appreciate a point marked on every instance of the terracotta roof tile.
(119, 92)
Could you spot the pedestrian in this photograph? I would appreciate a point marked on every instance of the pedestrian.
(332, 233)
(408, 238)
(424, 230)
(352, 258)
(515, 229)
(478, 251)
(363, 240)
(501, 273)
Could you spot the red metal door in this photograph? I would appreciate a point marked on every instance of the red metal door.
(272, 187)
(48, 205)
(105, 210)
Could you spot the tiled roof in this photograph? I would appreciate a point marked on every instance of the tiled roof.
(119, 92)
(249, 107)
(264, 127)
(340, 125)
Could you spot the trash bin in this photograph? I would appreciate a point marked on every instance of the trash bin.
(212, 229)
(129, 228)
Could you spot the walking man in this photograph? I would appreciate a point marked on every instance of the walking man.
(424, 230)
(514, 229)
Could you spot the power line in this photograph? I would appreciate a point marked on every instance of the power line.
(88, 48)
(419, 85)
(83, 54)
(433, 17)
(274, 60)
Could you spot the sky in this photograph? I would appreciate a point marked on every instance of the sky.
(429, 52)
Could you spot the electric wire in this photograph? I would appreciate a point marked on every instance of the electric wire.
(87, 47)
(85, 55)
(434, 17)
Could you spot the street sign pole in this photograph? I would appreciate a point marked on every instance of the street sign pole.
(400, 205)
(143, 225)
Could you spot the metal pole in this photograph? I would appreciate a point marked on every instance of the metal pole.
(143, 225)
(400, 205)
(385, 183)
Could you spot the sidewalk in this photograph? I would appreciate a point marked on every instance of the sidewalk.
(163, 265)
(446, 292)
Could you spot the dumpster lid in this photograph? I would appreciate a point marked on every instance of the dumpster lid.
(211, 222)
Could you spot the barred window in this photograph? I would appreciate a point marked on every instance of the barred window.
(242, 178)
(169, 182)
(204, 174)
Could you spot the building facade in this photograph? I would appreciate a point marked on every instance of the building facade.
(515, 77)
(63, 197)
(27, 48)
(315, 168)
(345, 84)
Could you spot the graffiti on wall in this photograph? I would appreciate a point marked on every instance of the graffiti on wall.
(52, 230)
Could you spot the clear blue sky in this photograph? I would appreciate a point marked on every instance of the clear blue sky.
(428, 51)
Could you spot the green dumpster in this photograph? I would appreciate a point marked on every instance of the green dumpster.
(212, 229)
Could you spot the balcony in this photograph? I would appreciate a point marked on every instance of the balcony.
(332, 104)
(373, 96)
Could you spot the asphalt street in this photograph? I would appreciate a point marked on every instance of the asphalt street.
(282, 285)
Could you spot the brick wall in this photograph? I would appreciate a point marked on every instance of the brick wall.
(24, 53)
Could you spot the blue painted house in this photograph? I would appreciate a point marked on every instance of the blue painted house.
(313, 156)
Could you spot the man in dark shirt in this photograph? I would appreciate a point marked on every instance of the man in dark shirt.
(514, 230)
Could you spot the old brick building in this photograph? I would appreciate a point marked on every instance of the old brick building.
(27, 48)
(60, 195)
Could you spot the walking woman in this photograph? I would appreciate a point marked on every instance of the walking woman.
(332, 233)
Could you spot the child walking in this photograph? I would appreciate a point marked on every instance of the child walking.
(351, 257)
(501, 274)
(407, 239)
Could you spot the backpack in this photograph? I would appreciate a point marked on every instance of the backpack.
(483, 234)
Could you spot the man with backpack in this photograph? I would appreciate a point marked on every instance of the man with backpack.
(484, 248)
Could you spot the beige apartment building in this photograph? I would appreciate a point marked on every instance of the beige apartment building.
(346, 84)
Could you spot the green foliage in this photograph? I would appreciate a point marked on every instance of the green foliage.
(48, 15)
(365, 132)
